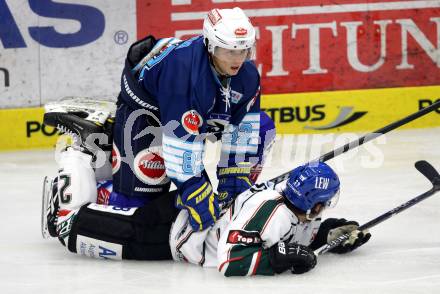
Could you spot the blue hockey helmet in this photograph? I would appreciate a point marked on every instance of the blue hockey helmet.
(311, 184)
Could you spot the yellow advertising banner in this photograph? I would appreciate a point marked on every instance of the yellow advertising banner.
(297, 113)
(350, 111)
(23, 128)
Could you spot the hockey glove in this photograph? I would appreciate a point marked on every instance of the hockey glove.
(232, 181)
(333, 228)
(298, 258)
(197, 196)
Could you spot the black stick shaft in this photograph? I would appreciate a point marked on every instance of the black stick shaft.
(367, 138)
(397, 210)
(377, 220)
(379, 132)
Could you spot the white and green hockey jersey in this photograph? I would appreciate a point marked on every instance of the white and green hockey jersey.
(238, 243)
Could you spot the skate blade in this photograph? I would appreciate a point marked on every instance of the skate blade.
(47, 184)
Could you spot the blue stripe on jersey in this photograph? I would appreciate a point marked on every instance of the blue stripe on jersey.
(183, 158)
(172, 155)
(242, 139)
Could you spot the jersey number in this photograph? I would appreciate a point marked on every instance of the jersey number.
(65, 197)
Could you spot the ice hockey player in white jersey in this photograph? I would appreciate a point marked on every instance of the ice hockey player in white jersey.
(270, 229)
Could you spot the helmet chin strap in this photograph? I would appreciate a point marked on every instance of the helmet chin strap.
(308, 217)
(223, 78)
(317, 210)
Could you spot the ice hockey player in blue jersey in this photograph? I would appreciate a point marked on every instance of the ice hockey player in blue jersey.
(174, 96)
(201, 86)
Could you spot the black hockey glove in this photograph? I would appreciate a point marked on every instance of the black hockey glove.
(333, 228)
(298, 258)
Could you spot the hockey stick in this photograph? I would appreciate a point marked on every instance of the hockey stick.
(366, 138)
(423, 167)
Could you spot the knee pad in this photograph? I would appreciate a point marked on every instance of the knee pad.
(76, 179)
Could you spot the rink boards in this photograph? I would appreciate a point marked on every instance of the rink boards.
(325, 65)
(325, 112)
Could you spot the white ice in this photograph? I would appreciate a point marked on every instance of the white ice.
(403, 255)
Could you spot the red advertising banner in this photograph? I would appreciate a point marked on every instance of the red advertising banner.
(326, 45)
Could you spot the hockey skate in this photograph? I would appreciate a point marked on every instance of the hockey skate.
(55, 222)
(84, 119)
(49, 208)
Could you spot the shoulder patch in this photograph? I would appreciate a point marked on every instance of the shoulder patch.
(244, 237)
(236, 96)
(192, 121)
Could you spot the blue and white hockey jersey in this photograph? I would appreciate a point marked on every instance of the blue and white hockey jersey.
(193, 103)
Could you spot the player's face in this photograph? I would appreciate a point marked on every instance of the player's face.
(228, 62)
(314, 212)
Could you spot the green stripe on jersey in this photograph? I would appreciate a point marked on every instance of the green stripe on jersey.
(264, 267)
(240, 267)
(259, 219)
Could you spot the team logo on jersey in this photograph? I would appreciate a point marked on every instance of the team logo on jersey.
(214, 17)
(240, 32)
(235, 96)
(244, 237)
(116, 159)
(192, 121)
(149, 166)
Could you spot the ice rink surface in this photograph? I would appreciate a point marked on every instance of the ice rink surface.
(403, 255)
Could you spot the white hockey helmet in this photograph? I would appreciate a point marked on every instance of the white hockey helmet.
(228, 29)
